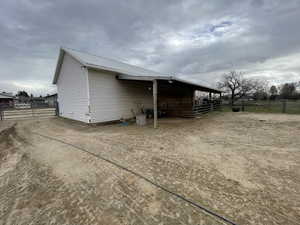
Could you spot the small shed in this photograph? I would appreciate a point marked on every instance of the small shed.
(96, 89)
(6, 100)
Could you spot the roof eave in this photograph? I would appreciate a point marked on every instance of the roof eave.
(143, 78)
(171, 78)
(7, 97)
(58, 65)
(198, 85)
(62, 53)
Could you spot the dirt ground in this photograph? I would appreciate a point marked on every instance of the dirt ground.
(243, 166)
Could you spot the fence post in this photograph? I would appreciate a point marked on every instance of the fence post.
(284, 106)
(220, 107)
(243, 105)
(56, 108)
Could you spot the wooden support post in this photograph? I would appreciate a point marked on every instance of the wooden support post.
(155, 103)
(211, 103)
(194, 98)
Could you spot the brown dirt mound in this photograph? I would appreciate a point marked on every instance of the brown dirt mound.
(6, 142)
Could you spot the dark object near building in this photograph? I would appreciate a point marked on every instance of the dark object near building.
(51, 100)
(6, 100)
(150, 113)
(235, 109)
(38, 102)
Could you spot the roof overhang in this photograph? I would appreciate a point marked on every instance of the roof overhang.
(142, 78)
(6, 97)
(58, 65)
(167, 78)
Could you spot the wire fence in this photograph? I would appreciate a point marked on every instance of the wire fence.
(267, 106)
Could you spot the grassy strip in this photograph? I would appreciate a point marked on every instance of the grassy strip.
(291, 108)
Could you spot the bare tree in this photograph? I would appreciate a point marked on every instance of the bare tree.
(238, 86)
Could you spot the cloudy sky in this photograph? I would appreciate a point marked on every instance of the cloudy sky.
(192, 38)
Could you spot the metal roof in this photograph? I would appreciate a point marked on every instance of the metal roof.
(6, 95)
(48, 96)
(123, 69)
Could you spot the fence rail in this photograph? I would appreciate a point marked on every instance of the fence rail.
(268, 106)
(203, 108)
(17, 114)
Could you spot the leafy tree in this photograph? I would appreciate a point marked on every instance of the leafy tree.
(22, 94)
(273, 90)
(288, 91)
(260, 95)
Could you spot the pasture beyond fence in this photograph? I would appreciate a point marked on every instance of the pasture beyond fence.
(268, 106)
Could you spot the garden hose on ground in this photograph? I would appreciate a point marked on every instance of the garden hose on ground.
(208, 211)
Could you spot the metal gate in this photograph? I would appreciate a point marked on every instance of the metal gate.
(16, 114)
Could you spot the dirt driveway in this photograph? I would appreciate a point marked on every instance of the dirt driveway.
(245, 167)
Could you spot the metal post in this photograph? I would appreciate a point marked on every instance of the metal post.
(284, 106)
(211, 106)
(243, 105)
(194, 98)
(220, 107)
(155, 102)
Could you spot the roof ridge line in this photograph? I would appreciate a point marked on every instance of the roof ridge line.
(117, 61)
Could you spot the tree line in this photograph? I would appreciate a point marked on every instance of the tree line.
(236, 86)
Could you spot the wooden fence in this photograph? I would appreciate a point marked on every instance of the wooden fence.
(17, 114)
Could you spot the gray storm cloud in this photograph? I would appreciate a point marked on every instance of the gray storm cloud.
(192, 38)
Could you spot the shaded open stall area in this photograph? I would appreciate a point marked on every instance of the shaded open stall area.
(173, 97)
(179, 99)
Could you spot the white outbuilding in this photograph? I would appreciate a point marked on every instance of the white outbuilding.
(95, 89)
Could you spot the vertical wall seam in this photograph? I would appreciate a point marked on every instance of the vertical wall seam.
(88, 92)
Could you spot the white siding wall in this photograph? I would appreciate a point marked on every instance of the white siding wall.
(113, 99)
(72, 90)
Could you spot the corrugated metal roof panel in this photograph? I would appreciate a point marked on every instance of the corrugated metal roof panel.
(98, 62)
(5, 95)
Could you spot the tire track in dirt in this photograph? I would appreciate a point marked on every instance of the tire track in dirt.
(34, 195)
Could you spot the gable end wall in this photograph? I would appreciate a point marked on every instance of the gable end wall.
(72, 90)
